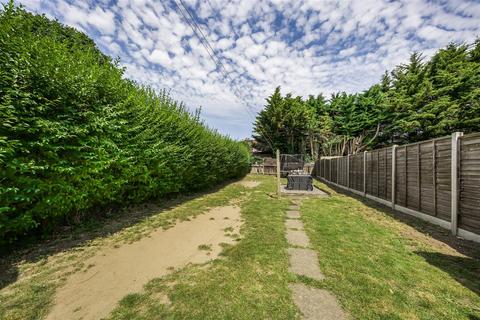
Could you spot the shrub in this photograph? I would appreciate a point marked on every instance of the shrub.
(75, 135)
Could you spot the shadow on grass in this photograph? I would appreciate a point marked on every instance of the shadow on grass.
(464, 270)
(468, 248)
(100, 225)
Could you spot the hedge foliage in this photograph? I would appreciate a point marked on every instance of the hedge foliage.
(76, 136)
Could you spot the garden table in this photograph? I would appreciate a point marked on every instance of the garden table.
(299, 182)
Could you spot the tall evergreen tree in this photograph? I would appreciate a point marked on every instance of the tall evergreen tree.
(418, 100)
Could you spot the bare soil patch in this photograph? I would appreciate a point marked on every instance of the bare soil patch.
(116, 272)
(250, 183)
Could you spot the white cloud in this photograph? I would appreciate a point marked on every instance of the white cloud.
(348, 51)
(254, 51)
(224, 43)
(306, 46)
(159, 57)
(103, 20)
(434, 33)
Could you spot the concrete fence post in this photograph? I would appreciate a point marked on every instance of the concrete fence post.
(454, 180)
(394, 175)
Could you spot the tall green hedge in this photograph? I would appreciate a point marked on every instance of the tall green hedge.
(76, 136)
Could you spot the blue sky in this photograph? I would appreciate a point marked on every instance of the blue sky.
(305, 46)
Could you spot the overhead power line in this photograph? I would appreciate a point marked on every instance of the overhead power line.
(193, 24)
(191, 20)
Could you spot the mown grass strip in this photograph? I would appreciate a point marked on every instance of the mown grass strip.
(380, 268)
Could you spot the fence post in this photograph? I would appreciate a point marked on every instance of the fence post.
(278, 173)
(364, 173)
(434, 175)
(394, 173)
(454, 181)
(419, 177)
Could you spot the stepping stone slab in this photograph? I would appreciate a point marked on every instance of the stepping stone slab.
(294, 207)
(304, 262)
(316, 304)
(297, 238)
(294, 223)
(293, 214)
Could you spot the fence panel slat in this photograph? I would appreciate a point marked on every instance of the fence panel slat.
(469, 184)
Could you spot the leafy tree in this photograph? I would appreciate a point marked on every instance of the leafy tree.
(416, 101)
(287, 123)
(269, 124)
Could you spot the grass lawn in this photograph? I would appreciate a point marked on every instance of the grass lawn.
(248, 282)
(377, 266)
(381, 268)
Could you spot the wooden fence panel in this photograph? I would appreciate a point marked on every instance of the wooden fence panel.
(401, 178)
(356, 172)
(333, 169)
(443, 167)
(368, 173)
(423, 180)
(374, 173)
(388, 173)
(382, 175)
(352, 171)
(341, 171)
(360, 173)
(469, 176)
(344, 171)
(427, 178)
(413, 179)
(325, 168)
(329, 169)
(321, 170)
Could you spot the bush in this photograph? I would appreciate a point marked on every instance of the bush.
(75, 135)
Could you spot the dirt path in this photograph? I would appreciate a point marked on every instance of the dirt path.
(116, 272)
(313, 303)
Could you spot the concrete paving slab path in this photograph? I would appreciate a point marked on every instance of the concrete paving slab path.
(294, 224)
(313, 303)
(304, 262)
(293, 214)
(316, 304)
(297, 238)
